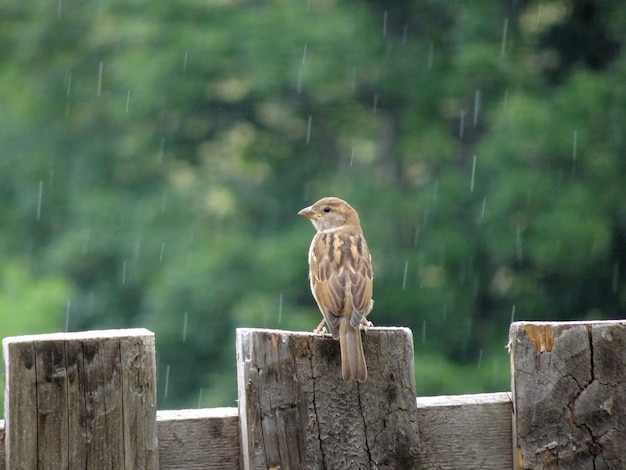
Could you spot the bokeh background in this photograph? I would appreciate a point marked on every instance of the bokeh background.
(154, 155)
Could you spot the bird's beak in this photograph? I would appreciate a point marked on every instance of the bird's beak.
(309, 213)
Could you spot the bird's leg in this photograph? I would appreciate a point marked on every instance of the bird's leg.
(321, 329)
(365, 324)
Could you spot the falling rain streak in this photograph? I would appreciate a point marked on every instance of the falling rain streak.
(504, 34)
(473, 174)
(406, 267)
(67, 315)
(123, 272)
(476, 106)
(513, 314)
(423, 331)
(480, 358)
(574, 145)
(482, 210)
(185, 61)
(185, 318)
(162, 250)
(39, 199)
(300, 70)
(615, 282)
(280, 308)
(385, 24)
(308, 129)
(100, 72)
(127, 101)
(461, 125)
(167, 382)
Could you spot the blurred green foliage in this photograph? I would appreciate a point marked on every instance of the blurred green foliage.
(155, 155)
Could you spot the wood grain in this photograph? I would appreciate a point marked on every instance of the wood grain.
(569, 394)
(199, 439)
(296, 411)
(81, 400)
(466, 432)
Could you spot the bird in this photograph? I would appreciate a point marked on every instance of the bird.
(341, 278)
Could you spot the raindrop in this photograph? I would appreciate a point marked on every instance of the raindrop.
(352, 157)
(280, 308)
(504, 33)
(67, 315)
(308, 129)
(353, 80)
(163, 203)
(480, 358)
(431, 53)
(59, 8)
(185, 62)
(615, 283)
(461, 125)
(416, 237)
(200, 397)
(304, 54)
(405, 30)
(436, 190)
(161, 150)
(385, 23)
(473, 174)
(513, 314)
(445, 311)
(574, 145)
(406, 267)
(127, 100)
(518, 242)
(161, 255)
(167, 382)
(185, 317)
(124, 272)
(375, 105)
(423, 331)
(538, 15)
(87, 240)
(137, 247)
(476, 106)
(505, 100)
(299, 85)
(100, 72)
(39, 199)
(482, 210)
(68, 80)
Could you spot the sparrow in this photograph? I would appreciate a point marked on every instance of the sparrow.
(341, 277)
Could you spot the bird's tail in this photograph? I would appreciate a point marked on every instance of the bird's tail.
(353, 365)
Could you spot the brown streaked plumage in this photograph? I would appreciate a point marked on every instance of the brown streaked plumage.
(341, 275)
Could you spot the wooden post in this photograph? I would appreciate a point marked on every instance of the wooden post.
(295, 411)
(569, 394)
(81, 400)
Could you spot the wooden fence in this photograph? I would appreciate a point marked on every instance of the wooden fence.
(87, 401)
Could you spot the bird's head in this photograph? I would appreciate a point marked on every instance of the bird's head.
(331, 213)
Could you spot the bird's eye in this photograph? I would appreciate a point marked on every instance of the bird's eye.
(326, 209)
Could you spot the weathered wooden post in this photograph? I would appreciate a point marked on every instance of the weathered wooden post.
(296, 412)
(81, 401)
(569, 394)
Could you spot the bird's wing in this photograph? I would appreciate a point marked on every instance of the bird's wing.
(341, 277)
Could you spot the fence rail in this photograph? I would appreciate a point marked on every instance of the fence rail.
(86, 400)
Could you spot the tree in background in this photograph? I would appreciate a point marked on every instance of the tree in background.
(155, 156)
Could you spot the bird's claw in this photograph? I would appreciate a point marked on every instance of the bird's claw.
(365, 324)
